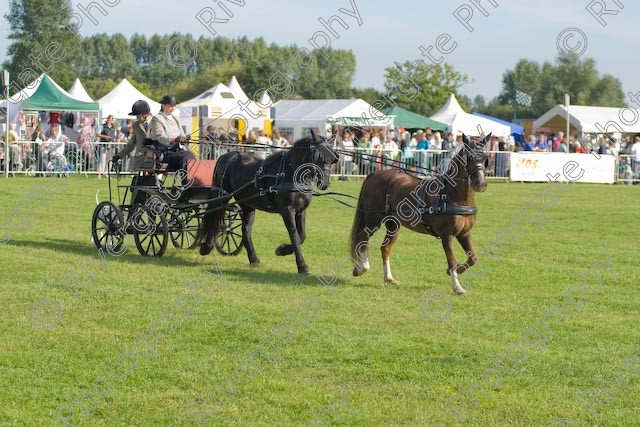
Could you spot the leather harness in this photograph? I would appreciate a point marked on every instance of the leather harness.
(440, 206)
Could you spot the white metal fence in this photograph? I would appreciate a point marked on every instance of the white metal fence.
(31, 158)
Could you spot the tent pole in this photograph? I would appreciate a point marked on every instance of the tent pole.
(7, 150)
(567, 100)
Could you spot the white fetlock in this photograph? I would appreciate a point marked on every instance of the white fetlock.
(361, 265)
(455, 284)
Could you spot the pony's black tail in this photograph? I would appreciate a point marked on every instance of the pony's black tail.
(211, 218)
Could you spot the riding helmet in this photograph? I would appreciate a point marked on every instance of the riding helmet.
(140, 108)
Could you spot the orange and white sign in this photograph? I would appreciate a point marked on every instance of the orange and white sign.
(562, 167)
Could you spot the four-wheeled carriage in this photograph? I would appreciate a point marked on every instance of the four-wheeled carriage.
(158, 206)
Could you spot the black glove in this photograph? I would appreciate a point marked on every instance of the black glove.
(115, 158)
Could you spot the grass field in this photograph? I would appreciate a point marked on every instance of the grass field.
(548, 334)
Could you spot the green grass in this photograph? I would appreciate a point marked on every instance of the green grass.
(362, 354)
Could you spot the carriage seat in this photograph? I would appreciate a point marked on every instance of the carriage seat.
(200, 172)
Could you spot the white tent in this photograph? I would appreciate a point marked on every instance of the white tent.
(586, 119)
(221, 106)
(300, 115)
(219, 101)
(265, 100)
(78, 91)
(236, 89)
(461, 122)
(262, 109)
(119, 101)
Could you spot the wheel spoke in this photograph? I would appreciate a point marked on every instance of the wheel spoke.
(228, 241)
(151, 245)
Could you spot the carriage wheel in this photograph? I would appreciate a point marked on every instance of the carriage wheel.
(107, 227)
(150, 231)
(183, 228)
(228, 240)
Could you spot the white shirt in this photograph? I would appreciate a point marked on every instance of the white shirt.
(264, 140)
(347, 145)
(57, 144)
(391, 148)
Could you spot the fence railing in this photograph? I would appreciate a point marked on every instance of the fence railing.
(31, 158)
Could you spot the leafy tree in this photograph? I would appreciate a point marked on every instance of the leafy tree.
(187, 89)
(42, 40)
(106, 57)
(368, 94)
(547, 84)
(479, 102)
(170, 63)
(420, 87)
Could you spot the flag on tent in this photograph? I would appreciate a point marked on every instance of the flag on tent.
(522, 98)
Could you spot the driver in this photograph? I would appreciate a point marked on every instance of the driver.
(166, 130)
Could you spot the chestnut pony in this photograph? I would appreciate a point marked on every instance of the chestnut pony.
(443, 206)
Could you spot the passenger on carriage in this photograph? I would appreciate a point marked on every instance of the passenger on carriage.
(141, 131)
(166, 129)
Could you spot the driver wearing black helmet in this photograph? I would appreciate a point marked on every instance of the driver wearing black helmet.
(141, 131)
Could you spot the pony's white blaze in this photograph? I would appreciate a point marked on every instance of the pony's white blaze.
(455, 283)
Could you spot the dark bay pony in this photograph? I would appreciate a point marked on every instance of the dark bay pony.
(281, 183)
(443, 207)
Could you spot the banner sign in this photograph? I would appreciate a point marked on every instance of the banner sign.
(544, 167)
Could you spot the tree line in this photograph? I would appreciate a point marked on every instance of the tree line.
(41, 40)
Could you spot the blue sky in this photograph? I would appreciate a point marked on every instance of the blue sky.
(393, 31)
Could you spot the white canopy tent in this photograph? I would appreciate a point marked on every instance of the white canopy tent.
(461, 122)
(78, 91)
(586, 119)
(262, 109)
(119, 101)
(301, 115)
(236, 89)
(221, 106)
(215, 106)
(266, 101)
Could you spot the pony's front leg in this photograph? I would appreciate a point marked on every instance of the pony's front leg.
(248, 216)
(301, 219)
(287, 248)
(447, 245)
(289, 218)
(465, 242)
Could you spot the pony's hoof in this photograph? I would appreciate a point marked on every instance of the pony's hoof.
(303, 270)
(255, 263)
(459, 291)
(391, 281)
(205, 250)
(283, 250)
